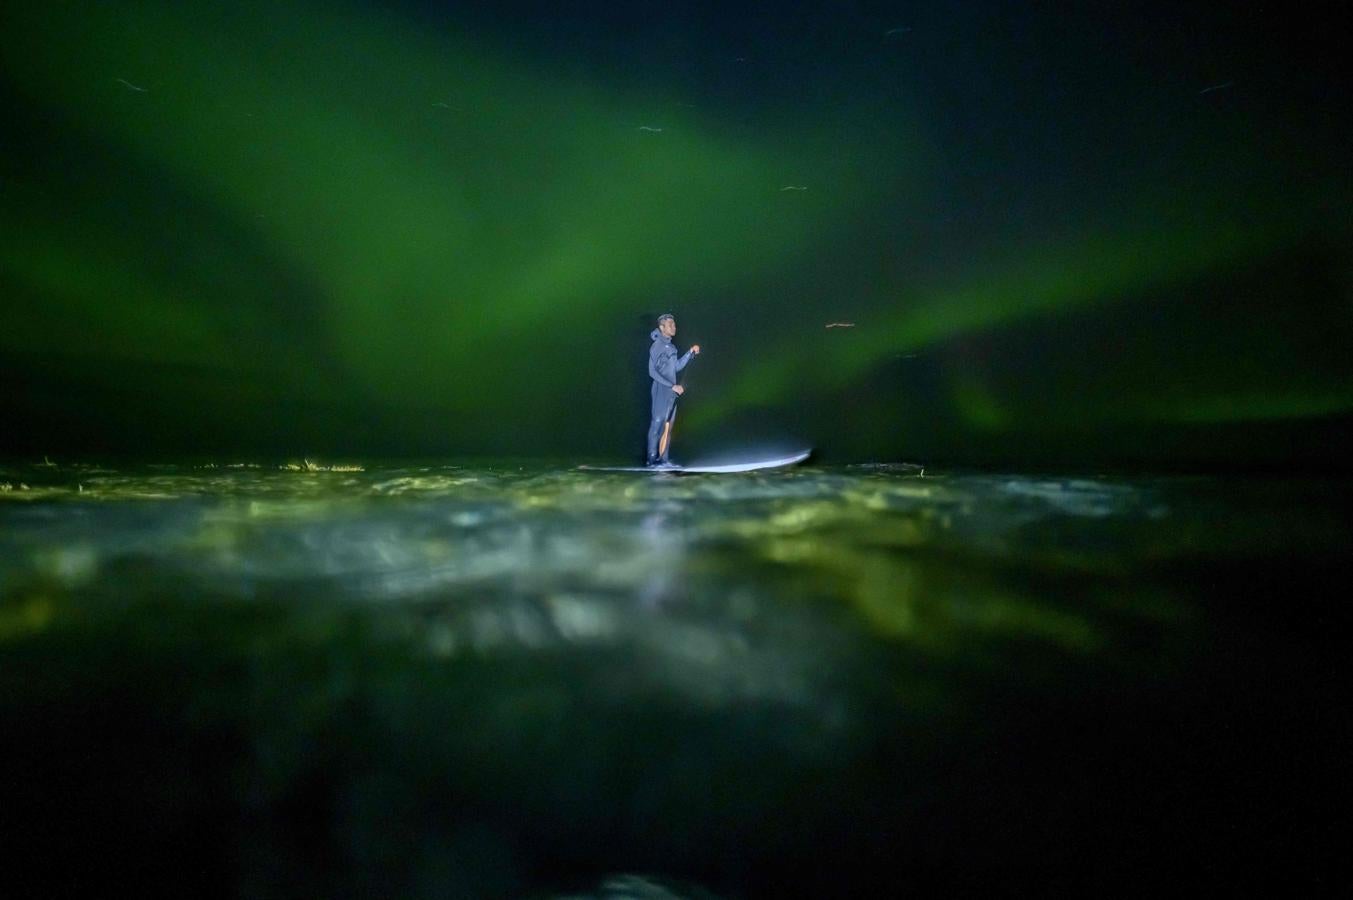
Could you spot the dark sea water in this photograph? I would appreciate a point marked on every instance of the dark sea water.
(525, 680)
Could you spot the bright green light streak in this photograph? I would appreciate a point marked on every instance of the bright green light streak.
(1070, 274)
(105, 302)
(445, 204)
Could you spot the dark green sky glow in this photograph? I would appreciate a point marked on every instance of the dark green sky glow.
(389, 228)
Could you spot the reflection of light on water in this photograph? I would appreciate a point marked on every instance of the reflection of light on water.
(541, 558)
(663, 554)
(596, 541)
(637, 887)
(28, 616)
(1076, 497)
(777, 647)
(578, 619)
(72, 565)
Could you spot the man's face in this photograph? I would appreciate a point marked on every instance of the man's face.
(668, 327)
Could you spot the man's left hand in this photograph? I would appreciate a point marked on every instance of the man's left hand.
(695, 348)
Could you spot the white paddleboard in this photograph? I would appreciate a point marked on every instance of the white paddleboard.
(699, 470)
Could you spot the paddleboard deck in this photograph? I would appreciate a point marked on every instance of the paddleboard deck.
(756, 466)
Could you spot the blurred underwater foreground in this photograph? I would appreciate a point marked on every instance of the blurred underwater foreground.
(502, 680)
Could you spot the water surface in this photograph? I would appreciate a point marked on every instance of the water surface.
(525, 680)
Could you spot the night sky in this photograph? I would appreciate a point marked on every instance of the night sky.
(1071, 234)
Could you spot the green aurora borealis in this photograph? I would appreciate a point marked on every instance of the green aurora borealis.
(362, 229)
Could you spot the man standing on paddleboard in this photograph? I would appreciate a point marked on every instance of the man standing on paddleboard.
(663, 366)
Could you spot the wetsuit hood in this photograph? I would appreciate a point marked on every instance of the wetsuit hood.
(655, 334)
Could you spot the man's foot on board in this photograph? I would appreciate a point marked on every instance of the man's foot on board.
(663, 464)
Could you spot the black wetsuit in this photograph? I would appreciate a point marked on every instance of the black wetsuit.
(663, 366)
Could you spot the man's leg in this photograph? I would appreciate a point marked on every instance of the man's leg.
(654, 432)
(657, 418)
(669, 418)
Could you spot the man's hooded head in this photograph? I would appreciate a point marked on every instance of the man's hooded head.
(666, 326)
